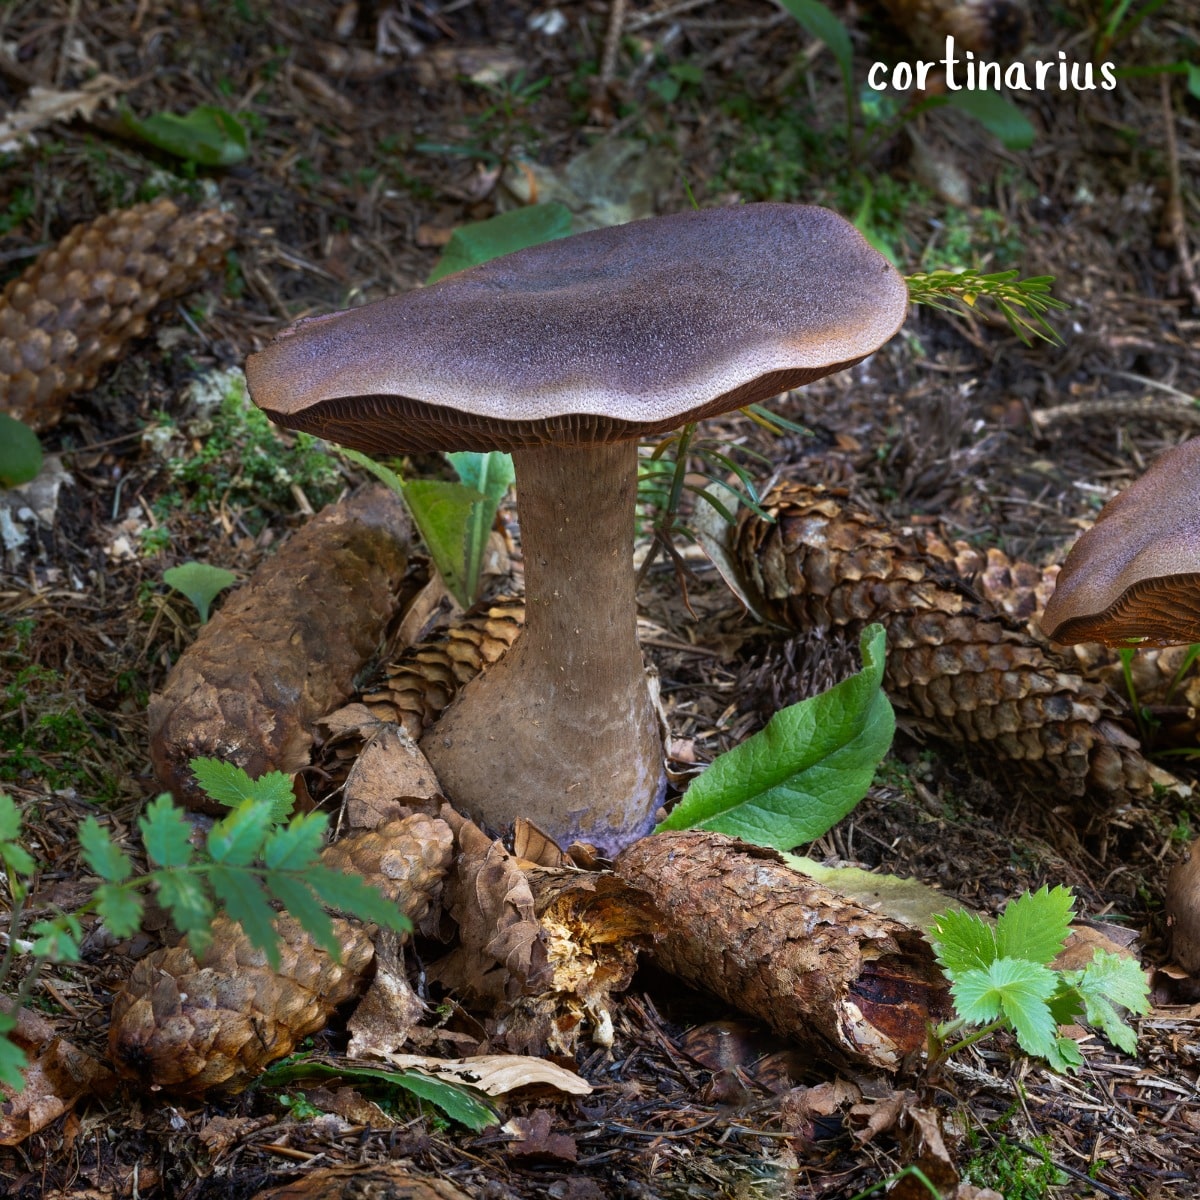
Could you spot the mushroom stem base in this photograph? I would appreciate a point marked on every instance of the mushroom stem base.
(562, 730)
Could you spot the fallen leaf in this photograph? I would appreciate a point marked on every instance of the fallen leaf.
(54, 1079)
(495, 1074)
(390, 779)
(43, 106)
(534, 1138)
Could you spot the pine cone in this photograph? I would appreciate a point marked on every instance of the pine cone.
(427, 676)
(188, 1024)
(74, 309)
(958, 667)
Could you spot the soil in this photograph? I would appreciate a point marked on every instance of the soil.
(375, 131)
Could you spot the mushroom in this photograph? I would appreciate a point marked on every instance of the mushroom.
(1135, 575)
(566, 354)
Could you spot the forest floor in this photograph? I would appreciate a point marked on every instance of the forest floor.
(374, 132)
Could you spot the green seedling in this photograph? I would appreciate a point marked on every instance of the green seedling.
(812, 763)
(253, 857)
(200, 583)
(20, 452)
(1022, 302)
(1001, 978)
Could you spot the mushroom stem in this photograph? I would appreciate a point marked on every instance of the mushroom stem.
(562, 730)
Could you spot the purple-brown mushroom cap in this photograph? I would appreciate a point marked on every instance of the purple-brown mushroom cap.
(1135, 575)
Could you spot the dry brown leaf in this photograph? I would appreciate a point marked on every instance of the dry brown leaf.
(43, 106)
(536, 1139)
(380, 1181)
(390, 778)
(496, 1074)
(54, 1079)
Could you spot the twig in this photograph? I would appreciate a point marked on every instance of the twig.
(1150, 407)
(664, 14)
(612, 41)
(1174, 214)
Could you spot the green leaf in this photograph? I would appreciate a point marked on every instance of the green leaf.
(1016, 989)
(814, 761)
(382, 473)
(57, 939)
(299, 902)
(476, 243)
(442, 512)
(1193, 80)
(457, 1102)
(237, 840)
(296, 846)
(208, 135)
(963, 941)
(1035, 926)
(231, 785)
(10, 818)
(20, 452)
(12, 1058)
(17, 859)
(246, 902)
(166, 833)
(99, 852)
(1109, 982)
(351, 894)
(14, 856)
(182, 894)
(998, 115)
(491, 475)
(200, 583)
(819, 22)
(120, 908)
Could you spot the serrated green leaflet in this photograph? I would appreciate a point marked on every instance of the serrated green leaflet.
(183, 896)
(231, 785)
(297, 844)
(12, 1061)
(457, 1102)
(57, 939)
(299, 902)
(10, 819)
(963, 941)
(476, 243)
(246, 902)
(1110, 981)
(120, 908)
(1018, 990)
(349, 893)
(166, 833)
(795, 779)
(1035, 926)
(237, 839)
(99, 852)
(200, 583)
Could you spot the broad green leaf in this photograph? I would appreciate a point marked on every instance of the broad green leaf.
(299, 902)
(20, 452)
(998, 115)
(246, 902)
(182, 894)
(10, 818)
(99, 852)
(796, 778)
(442, 512)
(120, 908)
(237, 840)
(295, 846)
(491, 475)
(166, 833)
(963, 941)
(476, 243)
(1035, 926)
(12, 1058)
(1109, 982)
(200, 583)
(1066, 1056)
(819, 22)
(231, 785)
(208, 135)
(382, 473)
(351, 894)
(1066, 1004)
(1017, 990)
(459, 1103)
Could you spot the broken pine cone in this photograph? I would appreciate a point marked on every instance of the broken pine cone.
(74, 309)
(958, 668)
(187, 1024)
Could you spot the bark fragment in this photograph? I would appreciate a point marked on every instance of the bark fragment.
(854, 986)
(75, 308)
(186, 1024)
(284, 649)
(958, 667)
